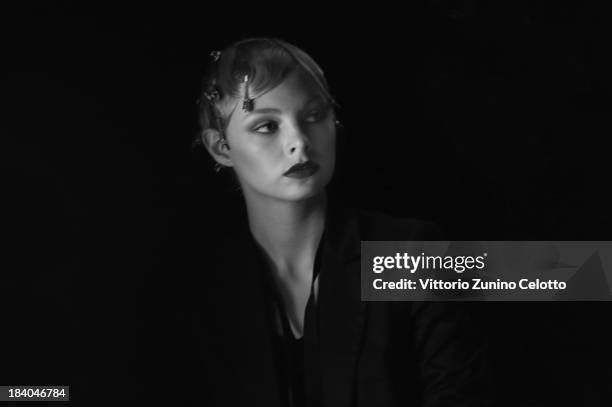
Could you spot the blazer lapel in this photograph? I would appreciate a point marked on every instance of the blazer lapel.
(341, 311)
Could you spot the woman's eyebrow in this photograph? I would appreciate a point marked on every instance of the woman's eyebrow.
(265, 110)
(262, 110)
(318, 98)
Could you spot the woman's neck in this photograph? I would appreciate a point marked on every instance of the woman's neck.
(289, 232)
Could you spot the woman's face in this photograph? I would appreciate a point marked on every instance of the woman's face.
(291, 124)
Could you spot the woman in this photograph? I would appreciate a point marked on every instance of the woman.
(298, 334)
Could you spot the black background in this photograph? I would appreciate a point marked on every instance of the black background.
(491, 119)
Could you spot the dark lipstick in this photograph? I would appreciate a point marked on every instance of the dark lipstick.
(302, 170)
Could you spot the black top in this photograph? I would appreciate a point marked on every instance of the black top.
(296, 352)
(299, 395)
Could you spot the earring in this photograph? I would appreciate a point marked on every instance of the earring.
(218, 167)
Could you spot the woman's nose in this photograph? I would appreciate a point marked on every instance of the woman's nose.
(298, 141)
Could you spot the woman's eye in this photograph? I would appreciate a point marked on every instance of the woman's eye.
(267, 128)
(316, 115)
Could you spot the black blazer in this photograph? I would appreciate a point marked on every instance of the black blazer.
(371, 353)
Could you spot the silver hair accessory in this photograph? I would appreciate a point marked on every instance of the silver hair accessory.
(211, 95)
(247, 103)
(215, 55)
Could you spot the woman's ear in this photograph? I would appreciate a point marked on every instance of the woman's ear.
(217, 146)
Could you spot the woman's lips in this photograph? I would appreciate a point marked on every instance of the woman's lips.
(302, 170)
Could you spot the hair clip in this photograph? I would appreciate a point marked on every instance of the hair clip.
(211, 95)
(215, 55)
(247, 103)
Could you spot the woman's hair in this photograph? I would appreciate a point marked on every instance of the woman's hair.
(266, 61)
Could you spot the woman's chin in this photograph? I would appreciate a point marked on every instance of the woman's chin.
(303, 192)
(290, 190)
